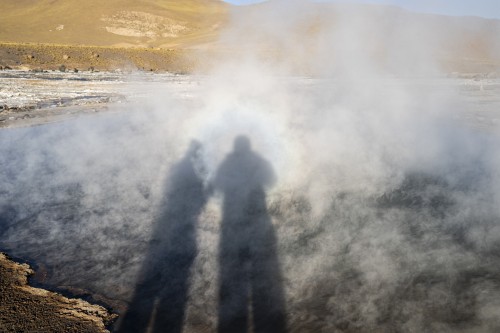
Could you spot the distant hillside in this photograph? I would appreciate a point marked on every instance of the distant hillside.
(310, 37)
(146, 23)
(319, 37)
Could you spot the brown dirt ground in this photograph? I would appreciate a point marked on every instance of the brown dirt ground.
(83, 58)
(27, 309)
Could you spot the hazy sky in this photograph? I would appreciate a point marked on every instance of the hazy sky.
(484, 8)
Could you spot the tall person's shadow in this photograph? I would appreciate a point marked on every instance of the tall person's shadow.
(160, 296)
(250, 286)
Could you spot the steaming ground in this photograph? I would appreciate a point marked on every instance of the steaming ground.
(386, 206)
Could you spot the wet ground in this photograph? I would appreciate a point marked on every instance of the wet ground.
(90, 200)
(30, 98)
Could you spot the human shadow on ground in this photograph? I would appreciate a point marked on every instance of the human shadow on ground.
(160, 296)
(250, 288)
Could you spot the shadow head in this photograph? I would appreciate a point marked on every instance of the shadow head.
(241, 144)
(194, 147)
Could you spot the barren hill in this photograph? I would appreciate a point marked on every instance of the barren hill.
(308, 37)
(145, 23)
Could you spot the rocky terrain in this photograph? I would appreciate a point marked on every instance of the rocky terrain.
(27, 309)
(66, 58)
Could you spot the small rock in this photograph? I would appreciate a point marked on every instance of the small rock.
(75, 70)
(91, 69)
(30, 56)
(95, 55)
(62, 68)
(66, 57)
(7, 68)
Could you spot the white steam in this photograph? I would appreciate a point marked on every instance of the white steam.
(387, 203)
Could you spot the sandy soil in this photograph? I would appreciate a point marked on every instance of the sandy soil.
(27, 309)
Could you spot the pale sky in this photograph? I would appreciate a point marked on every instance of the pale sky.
(483, 8)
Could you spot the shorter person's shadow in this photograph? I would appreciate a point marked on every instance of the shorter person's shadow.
(160, 297)
(250, 284)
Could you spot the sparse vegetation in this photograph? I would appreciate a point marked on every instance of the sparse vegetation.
(110, 23)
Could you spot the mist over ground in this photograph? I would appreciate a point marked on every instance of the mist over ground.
(385, 205)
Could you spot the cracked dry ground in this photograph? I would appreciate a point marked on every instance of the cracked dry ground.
(27, 309)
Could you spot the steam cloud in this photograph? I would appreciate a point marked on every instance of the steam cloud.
(386, 207)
